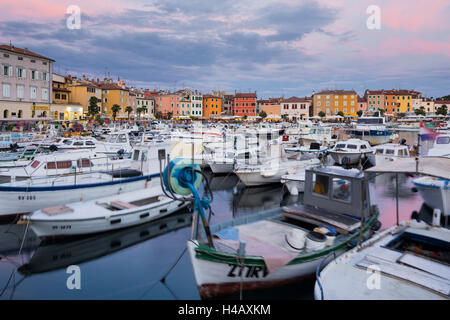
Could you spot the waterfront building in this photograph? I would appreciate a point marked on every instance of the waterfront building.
(244, 104)
(212, 105)
(331, 102)
(61, 108)
(114, 93)
(82, 90)
(362, 104)
(295, 108)
(26, 84)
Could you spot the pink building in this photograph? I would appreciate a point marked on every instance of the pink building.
(362, 104)
(26, 84)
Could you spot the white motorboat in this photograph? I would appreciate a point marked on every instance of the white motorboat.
(224, 161)
(351, 151)
(324, 136)
(74, 143)
(103, 214)
(436, 191)
(372, 129)
(405, 262)
(114, 143)
(271, 170)
(388, 152)
(314, 149)
(63, 163)
(25, 196)
(269, 249)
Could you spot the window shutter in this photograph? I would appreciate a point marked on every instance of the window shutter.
(24, 73)
(17, 72)
(10, 71)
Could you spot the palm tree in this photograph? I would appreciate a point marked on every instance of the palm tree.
(115, 108)
(322, 114)
(93, 108)
(139, 111)
(128, 110)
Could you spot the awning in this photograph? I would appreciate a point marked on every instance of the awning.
(438, 167)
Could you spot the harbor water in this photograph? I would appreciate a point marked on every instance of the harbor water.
(150, 261)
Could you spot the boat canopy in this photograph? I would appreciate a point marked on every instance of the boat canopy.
(438, 167)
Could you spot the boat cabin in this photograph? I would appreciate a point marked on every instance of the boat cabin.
(391, 149)
(334, 196)
(353, 145)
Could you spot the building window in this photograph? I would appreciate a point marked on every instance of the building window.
(6, 90)
(44, 76)
(6, 71)
(34, 75)
(20, 91)
(20, 72)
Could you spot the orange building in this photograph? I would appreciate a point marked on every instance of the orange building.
(212, 105)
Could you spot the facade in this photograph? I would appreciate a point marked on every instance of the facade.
(26, 84)
(114, 93)
(196, 104)
(375, 100)
(62, 109)
(212, 105)
(170, 103)
(272, 110)
(362, 104)
(428, 105)
(295, 108)
(331, 102)
(440, 103)
(244, 104)
(81, 91)
(145, 100)
(227, 102)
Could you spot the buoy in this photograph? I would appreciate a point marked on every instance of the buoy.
(296, 239)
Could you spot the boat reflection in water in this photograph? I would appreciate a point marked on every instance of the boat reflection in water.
(59, 254)
(247, 200)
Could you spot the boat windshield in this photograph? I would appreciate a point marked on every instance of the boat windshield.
(370, 121)
(112, 138)
(443, 140)
(340, 145)
(352, 146)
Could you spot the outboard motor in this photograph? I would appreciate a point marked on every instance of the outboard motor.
(403, 141)
(120, 153)
(314, 146)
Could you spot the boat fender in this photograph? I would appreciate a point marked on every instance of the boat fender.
(295, 239)
(315, 241)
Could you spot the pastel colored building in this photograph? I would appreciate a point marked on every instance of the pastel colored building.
(375, 100)
(114, 93)
(295, 108)
(362, 104)
(26, 84)
(82, 90)
(428, 105)
(244, 104)
(212, 105)
(331, 102)
(61, 108)
(272, 110)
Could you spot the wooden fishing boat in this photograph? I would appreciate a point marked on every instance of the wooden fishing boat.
(274, 248)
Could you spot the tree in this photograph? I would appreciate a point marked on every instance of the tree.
(401, 115)
(115, 108)
(139, 111)
(128, 110)
(93, 108)
(340, 113)
(322, 114)
(169, 115)
(420, 111)
(158, 115)
(263, 114)
(442, 110)
(359, 113)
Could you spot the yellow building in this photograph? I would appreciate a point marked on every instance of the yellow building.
(212, 105)
(112, 94)
(331, 102)
(428, 105)
(62, 108)
(81, 92)
(404, 101)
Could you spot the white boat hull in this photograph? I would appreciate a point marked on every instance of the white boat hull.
(54, 228)
(435, 195)
(354, 158)
(22, 202)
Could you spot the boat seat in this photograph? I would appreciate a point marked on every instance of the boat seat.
(51, 211)
(122, 205)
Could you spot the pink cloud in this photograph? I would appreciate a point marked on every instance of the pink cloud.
(399, 46)
(415, 16)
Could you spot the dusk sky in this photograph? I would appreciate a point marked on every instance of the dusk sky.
(283, 47)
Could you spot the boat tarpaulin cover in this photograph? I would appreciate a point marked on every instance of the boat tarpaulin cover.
(266, 239)
(432, 166)
(229, 233)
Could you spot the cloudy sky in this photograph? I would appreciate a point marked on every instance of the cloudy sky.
(282, 47)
